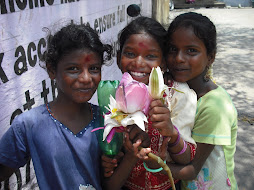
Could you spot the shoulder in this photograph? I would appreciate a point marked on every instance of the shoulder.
(31, 116)
(183, 90)
(217, 101)
(182, 96)
(216, 109)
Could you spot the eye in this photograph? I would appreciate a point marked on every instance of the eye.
(95, 69)
(129, 54)
(192, 51)
(172, 49)
(152, 56)
(73, 68)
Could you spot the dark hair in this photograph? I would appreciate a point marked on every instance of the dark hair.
(203, 28)
(147, 25)
(74, 37)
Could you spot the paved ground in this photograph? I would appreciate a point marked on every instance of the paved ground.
(234, 70)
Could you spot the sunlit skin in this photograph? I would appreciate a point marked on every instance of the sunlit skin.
(139, 55)
(78, 75)
(187, 58)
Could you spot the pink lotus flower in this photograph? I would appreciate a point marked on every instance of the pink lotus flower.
(132, 96)
(130, 106)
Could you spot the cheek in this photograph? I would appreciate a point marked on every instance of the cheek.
(124, 65)
(97, 79)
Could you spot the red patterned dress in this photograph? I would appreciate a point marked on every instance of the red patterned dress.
(140, 179)
(181, 105)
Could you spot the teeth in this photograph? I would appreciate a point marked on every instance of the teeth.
(138, 74)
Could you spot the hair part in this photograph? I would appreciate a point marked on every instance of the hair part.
(202, 26)
(74, 37)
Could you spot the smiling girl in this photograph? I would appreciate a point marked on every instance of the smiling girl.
(192, 50)
(142, 47)
(57, 136)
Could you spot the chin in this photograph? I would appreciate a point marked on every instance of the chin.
(139, 79)
(179, 79)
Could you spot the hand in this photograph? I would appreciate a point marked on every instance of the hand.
(135, 133)
(109, 164)
(160, 118)
(143, 153)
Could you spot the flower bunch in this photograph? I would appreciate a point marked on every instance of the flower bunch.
(130, 106)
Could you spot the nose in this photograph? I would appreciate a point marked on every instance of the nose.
(85, 76)
(139, 61)
(179, 57)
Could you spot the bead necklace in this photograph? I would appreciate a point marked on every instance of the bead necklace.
(62, 125)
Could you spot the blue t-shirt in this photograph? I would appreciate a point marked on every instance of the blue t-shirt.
(61, 159)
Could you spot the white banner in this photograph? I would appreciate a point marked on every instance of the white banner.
(23, 83)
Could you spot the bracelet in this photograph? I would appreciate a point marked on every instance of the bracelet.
(177, 140)
(153, 170)
(183, 150)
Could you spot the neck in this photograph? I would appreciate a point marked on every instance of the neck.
(200, 86)
(69, 109)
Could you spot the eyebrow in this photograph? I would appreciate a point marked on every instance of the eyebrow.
(131, 48)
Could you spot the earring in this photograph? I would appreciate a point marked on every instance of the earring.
(208, 74)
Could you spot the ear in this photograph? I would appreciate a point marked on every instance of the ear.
(51, 71)
(118, 59)
(211, 58)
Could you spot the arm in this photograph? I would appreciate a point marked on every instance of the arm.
(5, 172)
(115, 179)
(121, 173)
(191, 170)
(161, 119)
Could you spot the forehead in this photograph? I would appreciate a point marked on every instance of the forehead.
(186, 36)
(142, 40)
(86, 53)
(83, 55)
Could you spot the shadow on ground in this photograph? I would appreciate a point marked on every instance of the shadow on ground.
(234, 70)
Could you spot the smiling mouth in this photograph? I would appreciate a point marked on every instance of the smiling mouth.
(180, 70)
(138, 74)
(84, 90)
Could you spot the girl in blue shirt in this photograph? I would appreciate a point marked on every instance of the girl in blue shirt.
(57, 136)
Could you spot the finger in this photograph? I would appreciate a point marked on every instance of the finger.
(108, 159)
(160, 117)
(108, 174)
(137, 144)
(128, 144)
(156, 103)
(108, 164)
(159, 111)
(143, 153)
(108, 169)
(119, 156)
(138, 133)
(134, 132)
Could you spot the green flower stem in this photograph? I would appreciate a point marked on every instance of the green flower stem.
(164, 166)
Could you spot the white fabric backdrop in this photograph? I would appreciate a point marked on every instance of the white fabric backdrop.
(23, 83)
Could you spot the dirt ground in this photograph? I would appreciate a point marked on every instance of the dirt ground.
(234, 70)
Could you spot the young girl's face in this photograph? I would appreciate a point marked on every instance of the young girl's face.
(78, 75)
(139, 55)
(187, 57)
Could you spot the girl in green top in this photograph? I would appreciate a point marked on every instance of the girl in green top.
(192, 50)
